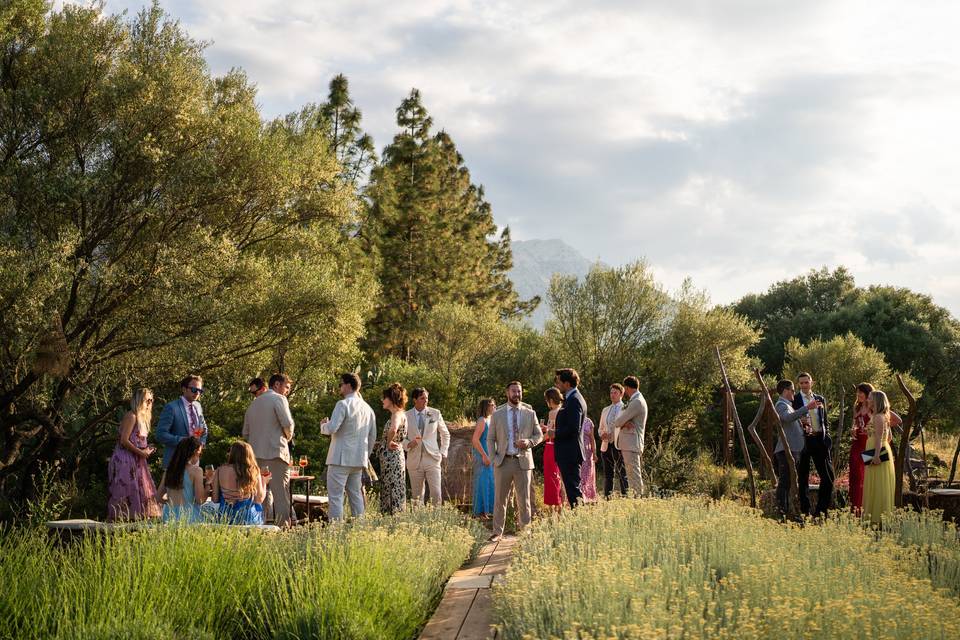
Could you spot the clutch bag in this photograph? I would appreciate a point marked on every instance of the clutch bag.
(869, 453)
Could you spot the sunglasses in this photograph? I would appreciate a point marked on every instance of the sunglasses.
(195, 390)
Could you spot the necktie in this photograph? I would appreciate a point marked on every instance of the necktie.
(513, 425)
(420, 424)
(193, 417)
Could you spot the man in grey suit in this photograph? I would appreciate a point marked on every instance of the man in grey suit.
(512, 434)
(629, 428)
(426, 445)
(796, 438)
(353, 432)
(268, 427)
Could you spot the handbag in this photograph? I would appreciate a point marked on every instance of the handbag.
(868, 455)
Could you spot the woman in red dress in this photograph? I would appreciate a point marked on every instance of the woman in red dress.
(552, 485)
(861, 419)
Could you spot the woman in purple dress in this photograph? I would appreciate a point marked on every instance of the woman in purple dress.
(588, 470)
(133, 496)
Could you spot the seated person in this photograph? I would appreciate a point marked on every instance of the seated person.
(239, 487)
(185, 483)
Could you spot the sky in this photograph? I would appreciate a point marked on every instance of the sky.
(736, 142)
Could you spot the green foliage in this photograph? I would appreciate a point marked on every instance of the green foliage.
(842, 362)
(410, 375)
(346, 581)
(153, 224)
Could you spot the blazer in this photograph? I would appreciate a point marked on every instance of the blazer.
(173, 426)
(498, 435)
(821, 413)
(429, 450)
(790, 420)
(567, 446)
(353, 432)
(635, 412)
(268, 426)
(607, 428)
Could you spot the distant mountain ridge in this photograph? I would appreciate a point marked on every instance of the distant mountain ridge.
(535, 262)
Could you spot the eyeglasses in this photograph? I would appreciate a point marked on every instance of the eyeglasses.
(196, 390)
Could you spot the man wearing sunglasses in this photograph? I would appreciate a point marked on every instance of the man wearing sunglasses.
(182, 418)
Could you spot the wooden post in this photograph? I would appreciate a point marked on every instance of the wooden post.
(764, 454)
(904, 441)
(739, 427)
(794, 501)
(726, 429)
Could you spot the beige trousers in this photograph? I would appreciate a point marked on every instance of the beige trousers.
(633, 462)
(428, 471)
(505, 477)
(276, 506)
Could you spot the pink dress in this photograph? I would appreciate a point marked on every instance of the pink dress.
(588, 473)
(552, 485)
(133, 496)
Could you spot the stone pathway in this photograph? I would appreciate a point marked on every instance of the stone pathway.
(465, 611)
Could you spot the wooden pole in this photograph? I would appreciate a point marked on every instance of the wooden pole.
(739, 427)
(757, 440)
(904, 441)
(794, 493)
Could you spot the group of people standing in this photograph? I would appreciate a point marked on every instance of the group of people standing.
(803, 416)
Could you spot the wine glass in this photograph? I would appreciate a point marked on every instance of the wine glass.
(198, 432)
(303, 465)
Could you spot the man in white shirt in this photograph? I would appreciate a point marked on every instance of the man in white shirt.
(612, 457)
(353, 432)
(268, 427)
(629, 428)
(426, 446)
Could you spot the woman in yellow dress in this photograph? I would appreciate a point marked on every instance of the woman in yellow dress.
(879, 476)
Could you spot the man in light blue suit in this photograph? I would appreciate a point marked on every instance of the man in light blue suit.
(182, 418)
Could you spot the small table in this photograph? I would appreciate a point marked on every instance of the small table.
(308, 480)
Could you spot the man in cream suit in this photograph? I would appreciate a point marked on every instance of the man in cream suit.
(268, 427)
(629, 428)
(426, 445)
(512, 434)
(609, 453)
(353, 432)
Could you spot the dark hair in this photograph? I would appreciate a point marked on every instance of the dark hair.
(185, 450)
(553, 395)
(279, 377)
(484, 405)
(417, 392)
(568, 375)
(351, 379)
(397, 395)
(866, 389)
(631, 382)
(513, 382)
(191, 379)
(258, 383)
(804, 374)
(783, 385)
(617, 386)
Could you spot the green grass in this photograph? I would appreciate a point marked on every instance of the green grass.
(691, 568)
(373, 578)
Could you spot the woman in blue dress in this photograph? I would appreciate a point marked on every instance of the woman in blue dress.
(482, 466)
(186, 490)
(239, 487)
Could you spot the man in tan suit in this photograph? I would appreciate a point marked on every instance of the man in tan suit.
(629, 428)
(426, 445)
(512, 435)
(268, 427)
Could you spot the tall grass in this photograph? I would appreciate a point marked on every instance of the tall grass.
(374, 578)
(698, 569)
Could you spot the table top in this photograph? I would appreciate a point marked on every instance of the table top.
(292, 478)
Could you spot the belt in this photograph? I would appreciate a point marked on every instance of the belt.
(511, 455)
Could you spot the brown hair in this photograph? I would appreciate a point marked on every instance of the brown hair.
(513, 382)
(396, 394)
(244, 464)
(351, 379)
(483, 409)
(280, 377)
(632, 382)
(804, 374)
(783, 385)
(866, 389)
(553, 395)
(617, 386)
(417, 392)
(191, 379)
(568, 375)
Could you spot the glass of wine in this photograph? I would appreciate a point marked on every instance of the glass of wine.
(198, 432)
(303, 465)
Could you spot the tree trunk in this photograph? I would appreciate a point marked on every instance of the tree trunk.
(736, 420)
(904, 447)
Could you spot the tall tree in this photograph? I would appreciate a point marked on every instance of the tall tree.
(434, 234)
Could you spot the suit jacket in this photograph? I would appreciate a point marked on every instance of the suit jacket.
(268, 426)
(435, 443)
(821, 413)
(498, 435)
(606, 427)
(790, 420)
(567, 445)
(174, 425)
(636, 412)
(353, 432)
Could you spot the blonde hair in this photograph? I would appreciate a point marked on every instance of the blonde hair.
(880, 404)
(244, 464)
(138, 404)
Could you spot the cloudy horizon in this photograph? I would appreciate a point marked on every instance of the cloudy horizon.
(737, 143)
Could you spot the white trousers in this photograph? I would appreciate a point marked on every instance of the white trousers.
(340, 478)
(427, 471)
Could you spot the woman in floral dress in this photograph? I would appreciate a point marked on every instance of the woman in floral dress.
(393, 487)
(133, 495)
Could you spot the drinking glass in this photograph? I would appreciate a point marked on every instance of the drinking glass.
(303, 465)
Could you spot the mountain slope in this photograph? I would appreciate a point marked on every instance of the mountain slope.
(535, 262)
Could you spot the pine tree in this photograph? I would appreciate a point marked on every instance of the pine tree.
(434, 233)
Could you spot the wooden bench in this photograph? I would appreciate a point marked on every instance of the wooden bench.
(314, 504)
(68, 529)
